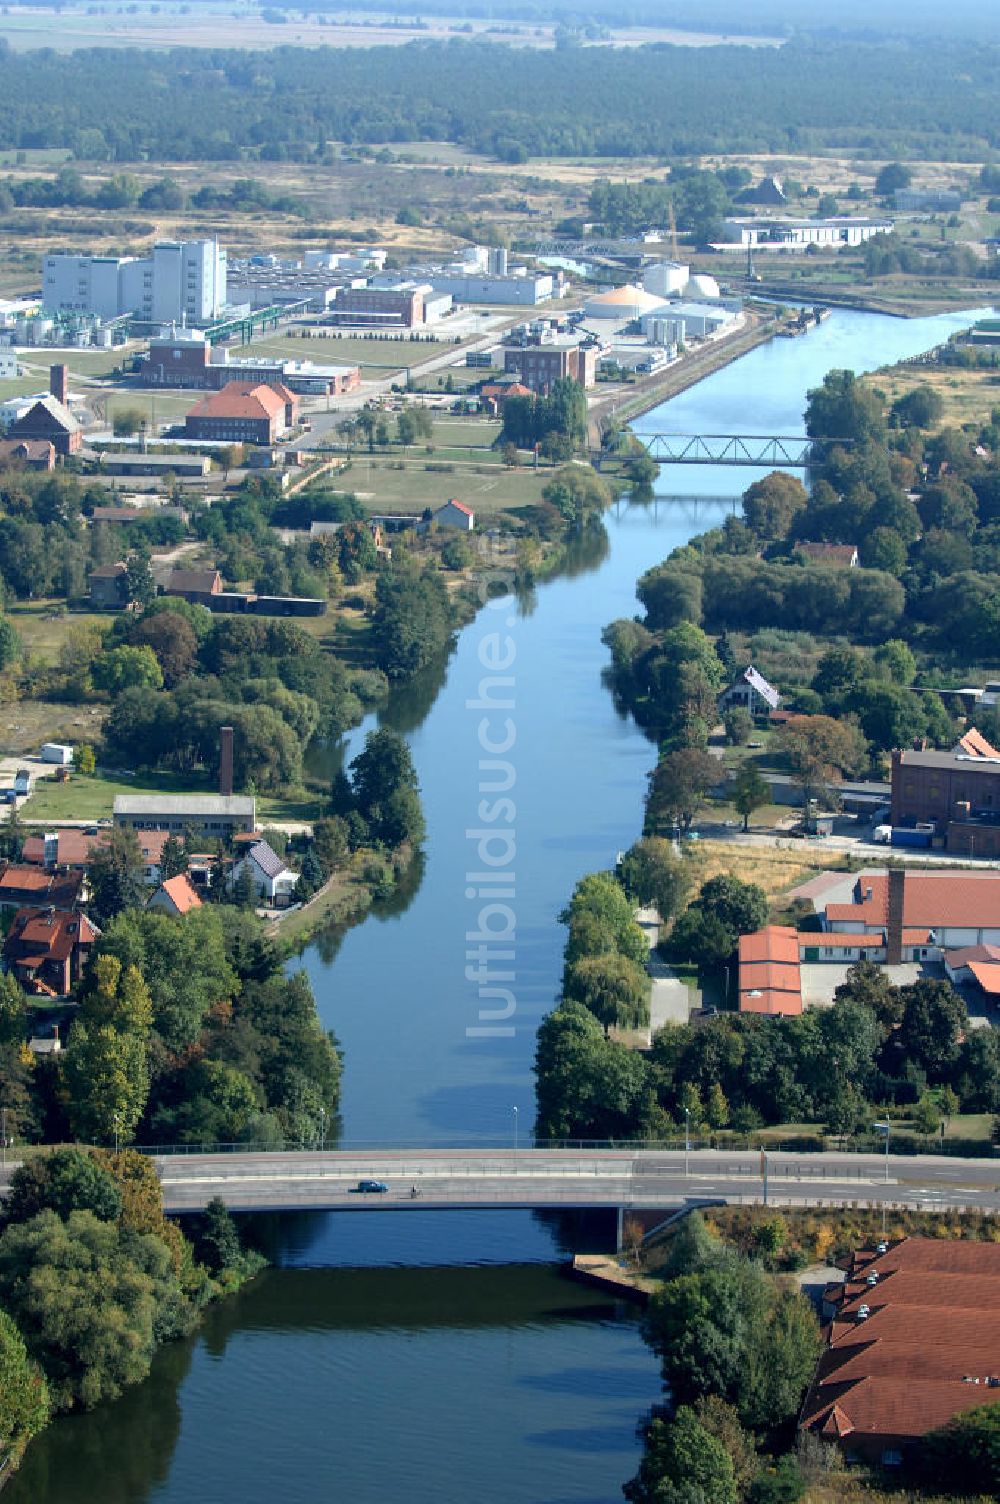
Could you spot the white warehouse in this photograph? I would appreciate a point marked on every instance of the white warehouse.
(180, 280)
(796, 234)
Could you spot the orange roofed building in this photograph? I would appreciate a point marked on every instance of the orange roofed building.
(47, 950)
(914, 1341)
(770, 979)
(243, 412)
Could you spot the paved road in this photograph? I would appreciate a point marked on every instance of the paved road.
(450, 1178)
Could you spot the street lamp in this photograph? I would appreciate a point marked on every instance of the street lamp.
(3, 1134)
(117, 1118)
(514, 1115)
(884, 1128)
(322, 1127)
(687, 1139)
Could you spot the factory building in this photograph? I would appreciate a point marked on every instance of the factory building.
(179, 280)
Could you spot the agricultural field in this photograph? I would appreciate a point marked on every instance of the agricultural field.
(489, 488)
(46, 627)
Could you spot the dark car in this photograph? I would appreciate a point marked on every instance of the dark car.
(377, 1186)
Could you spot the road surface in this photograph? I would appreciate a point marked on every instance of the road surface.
(536, 1178)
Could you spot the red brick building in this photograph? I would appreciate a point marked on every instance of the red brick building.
(540, 366)
(47, 950)
(49, 421)
(244, 413)
(958, 793)
(33, 454)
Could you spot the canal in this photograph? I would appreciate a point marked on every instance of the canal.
(442, 1357)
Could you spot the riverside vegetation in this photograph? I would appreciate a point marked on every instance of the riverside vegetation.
(93, 1278)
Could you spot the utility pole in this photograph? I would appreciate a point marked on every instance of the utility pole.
(3, 1134)
(687, 1141)
(118, 1118)
(514, 1115)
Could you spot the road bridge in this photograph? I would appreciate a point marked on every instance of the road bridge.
(648, 1179)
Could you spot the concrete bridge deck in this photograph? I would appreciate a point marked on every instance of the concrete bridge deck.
(325, 1180)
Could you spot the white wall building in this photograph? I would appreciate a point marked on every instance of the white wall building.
(180, 280)
(8, 365)
(796, 234)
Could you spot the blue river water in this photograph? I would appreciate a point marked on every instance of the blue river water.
(441, 1357)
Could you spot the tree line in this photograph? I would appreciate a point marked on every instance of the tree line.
(204, 104)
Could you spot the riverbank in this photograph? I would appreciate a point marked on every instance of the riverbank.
(694, 368)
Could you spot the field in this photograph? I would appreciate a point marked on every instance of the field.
(488, 487)
(45, 627)
(969, 396)
(28, 723)
(67, 28)
(775, 870)
(92, 798)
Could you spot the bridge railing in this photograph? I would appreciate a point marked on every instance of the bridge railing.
(900, 1144)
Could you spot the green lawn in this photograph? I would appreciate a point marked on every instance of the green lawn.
(488, 489)
(347, 350)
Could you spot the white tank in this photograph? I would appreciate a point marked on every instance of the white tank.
(701, 286)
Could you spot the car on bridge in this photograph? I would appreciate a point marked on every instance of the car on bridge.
(368, 1187)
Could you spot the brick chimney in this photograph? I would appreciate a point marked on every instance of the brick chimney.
(59, 382)
(894, 917)
(225, 760)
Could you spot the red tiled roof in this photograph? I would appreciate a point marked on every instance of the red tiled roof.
(967, 953)
(244, 399)
(770, 981)
(27, 883)
(181, 894)
(832, 939)
(931, 900)
(924, 1354)
(975, 743)
(55, 932)
(460, 506)
(776, 942)
(33, 850)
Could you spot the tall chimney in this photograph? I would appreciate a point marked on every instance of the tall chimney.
(225, 760)
(894, 917)
(59, 382)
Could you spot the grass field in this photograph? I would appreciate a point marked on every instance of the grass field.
(45, 627)
(347, 350)
(93, 798)
(968, 396)
(776, 871)
(488, 488)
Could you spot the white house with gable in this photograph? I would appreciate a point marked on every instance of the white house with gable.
(273, 881)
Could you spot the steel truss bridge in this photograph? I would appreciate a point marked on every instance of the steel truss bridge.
(761, 451)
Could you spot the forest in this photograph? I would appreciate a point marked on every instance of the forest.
(878, 98)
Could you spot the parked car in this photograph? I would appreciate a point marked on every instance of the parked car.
(371, 1186)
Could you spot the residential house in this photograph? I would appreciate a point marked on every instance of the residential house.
(244, 412)
(109, 586)
(456, 514)
(748, 690)
(176, 896)
(769, 976)
(913, 1342)
(23, 885)
(47, 949)
(217, 816)
(494, 394)
(273, 880)
(33, 454)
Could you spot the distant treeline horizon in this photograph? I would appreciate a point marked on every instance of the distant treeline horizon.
(870, 101)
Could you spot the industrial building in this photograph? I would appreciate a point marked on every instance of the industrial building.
(386, 307)
(214, 815)
(953, 796)
(524, 289)
(539, 366)
(178, 280)
(186, 358)
(795, 234)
